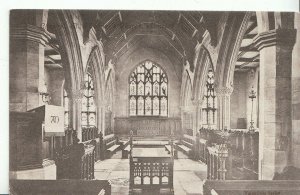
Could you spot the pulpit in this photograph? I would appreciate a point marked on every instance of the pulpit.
(32, 140)
(28, 148)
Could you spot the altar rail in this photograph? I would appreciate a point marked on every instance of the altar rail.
(241, 148)
(60, 187)
(76, 162)
(251, 187)
(147, 126)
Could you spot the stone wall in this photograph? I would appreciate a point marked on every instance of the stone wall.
(296, 97)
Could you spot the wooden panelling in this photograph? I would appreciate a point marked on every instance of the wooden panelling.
(26, 141)
(147, 126)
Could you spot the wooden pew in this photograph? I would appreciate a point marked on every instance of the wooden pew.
(169, 149)
(111, 145)
(76, 162)
(186, 145)
(89, 133)
(126, 151)
(60, 187)
(251, 187)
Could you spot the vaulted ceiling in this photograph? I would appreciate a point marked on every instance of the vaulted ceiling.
(174, 33)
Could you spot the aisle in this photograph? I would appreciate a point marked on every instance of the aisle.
(188, 175)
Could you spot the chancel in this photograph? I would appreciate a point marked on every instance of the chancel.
(154, 102)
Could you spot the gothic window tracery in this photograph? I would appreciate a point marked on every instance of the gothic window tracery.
(209, 103)
(148, 90)
(88, 110)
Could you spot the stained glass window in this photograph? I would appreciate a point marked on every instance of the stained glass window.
(66, 108)
(88, 108)
(209, 103)
(148, 91)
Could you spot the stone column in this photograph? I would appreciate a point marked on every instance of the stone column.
(296, 96)
(26, 68)
(275, 93)
(223, 107)
(197, 115)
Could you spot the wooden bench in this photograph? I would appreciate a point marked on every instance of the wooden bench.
(186, 145)
(123, 143)
(125, 151)
(111, 145)
(168, 148)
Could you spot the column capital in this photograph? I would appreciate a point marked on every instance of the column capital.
(224, 91)
(285, 37)
(30, 32)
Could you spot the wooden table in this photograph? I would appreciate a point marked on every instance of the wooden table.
(151, 168)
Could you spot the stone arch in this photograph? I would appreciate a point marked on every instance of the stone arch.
(203, 64)
(109, 88)
(234, 32)
(95, 66)
(230, 44)
(71, 57)
(109, 102)
(186, 89)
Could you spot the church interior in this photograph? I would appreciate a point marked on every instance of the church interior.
(154, 102)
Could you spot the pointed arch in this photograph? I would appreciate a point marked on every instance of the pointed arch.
(69, 49)
(230, 44)
(186, 89)
(109, 102)
(95, 67)
(204, 63)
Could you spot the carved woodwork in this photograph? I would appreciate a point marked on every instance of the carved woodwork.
(147, 126)
(28, 148)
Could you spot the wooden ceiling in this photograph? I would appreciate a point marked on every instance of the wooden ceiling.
(171, 32)
(178, 32)
(248, 57)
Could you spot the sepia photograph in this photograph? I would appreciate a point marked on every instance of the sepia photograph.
(177, 102)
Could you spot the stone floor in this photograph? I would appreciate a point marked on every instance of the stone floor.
(188, 175)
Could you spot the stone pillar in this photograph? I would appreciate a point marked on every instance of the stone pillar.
(223, 107)
(197, 116)
(76, 97)
(296, 97)
(55, 86)
(275, 93)
(26, 70)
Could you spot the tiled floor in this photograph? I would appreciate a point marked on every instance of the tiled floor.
(188, 175)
